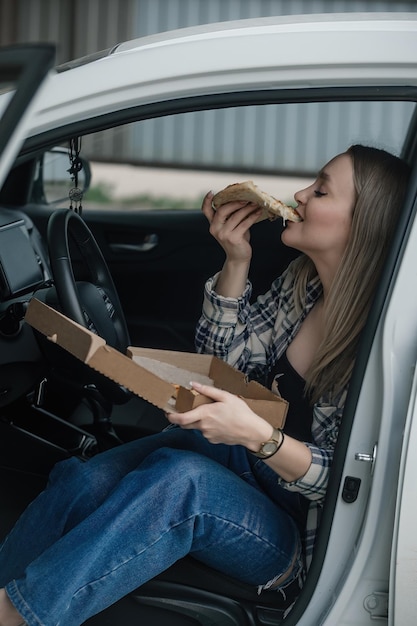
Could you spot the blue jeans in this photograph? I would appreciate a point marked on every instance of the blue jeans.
(102, 528)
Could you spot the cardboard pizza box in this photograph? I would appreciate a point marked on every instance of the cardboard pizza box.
(162, 377)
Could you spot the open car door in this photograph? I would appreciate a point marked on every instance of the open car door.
(403, 603)
(23, 69)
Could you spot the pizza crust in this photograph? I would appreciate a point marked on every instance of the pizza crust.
(249, 192)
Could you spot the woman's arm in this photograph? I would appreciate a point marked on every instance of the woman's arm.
(229, 420)
(292, 461)
(243, 334)
(230, 327)
(301, 467)
(230, 225)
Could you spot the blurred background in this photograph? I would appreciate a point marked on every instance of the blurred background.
(127, 162)
(81, 27)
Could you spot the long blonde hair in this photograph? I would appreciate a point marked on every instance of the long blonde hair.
(380, 181)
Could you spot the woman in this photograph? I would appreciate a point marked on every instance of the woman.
(250, 505)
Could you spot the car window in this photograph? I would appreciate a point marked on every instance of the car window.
(171, 162)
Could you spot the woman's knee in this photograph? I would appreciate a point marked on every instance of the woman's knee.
(77, 479)
(185, 469)
(177, 459)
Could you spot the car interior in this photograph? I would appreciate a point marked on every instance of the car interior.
(54, 406)
(136, 277)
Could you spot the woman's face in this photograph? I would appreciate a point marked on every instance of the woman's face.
(326, 207)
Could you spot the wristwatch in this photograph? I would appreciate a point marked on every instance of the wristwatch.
(270, 447)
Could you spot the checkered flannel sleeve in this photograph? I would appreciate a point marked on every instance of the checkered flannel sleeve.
(240, 333)
(247, 337)
(313, 485)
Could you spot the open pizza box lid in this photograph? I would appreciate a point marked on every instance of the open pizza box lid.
(162, 377)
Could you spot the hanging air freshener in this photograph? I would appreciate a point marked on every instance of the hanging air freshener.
(75, 193)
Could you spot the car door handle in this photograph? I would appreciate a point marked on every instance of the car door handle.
(148, 243)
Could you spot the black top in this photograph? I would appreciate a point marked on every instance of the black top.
(291, 387)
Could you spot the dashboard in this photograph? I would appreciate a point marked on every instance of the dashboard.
(23, 269)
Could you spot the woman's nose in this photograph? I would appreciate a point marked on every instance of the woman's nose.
(301, 196)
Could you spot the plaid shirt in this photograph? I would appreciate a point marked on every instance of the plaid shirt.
(252, 338)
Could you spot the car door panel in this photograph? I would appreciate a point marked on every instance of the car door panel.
(160, 261)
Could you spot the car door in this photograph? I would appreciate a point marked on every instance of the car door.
(154, 238)
(22, 71)
(148, 179)
(161, 286)
(403, 604)
(160, 260)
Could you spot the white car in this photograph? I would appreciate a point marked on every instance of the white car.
(267, 84)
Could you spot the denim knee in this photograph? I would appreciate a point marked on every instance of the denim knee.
(181, 466)
(188, 472)
(83, 485)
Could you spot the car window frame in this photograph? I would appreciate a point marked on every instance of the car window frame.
(49, 138)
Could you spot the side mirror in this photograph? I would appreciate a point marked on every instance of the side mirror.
(52, 182)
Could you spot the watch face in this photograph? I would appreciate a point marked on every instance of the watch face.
(269, 447)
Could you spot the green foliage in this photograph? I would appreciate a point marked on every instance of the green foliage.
(102, 194)
(149, 201)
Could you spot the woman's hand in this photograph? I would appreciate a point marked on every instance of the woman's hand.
(227, 420)
(230, 225)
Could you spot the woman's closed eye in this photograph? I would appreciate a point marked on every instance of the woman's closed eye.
(319, 193)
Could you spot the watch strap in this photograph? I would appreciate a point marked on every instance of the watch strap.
(276, 437)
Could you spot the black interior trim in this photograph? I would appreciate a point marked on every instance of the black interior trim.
(410, 143)
(17, 490)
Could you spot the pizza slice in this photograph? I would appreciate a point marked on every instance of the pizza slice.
(249, 192)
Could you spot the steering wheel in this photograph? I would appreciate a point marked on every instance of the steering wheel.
(93, 303)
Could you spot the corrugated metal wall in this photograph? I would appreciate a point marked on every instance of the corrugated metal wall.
(84, 26)
(160, 15)
(294, 138)
(81, 27)
(78, 27)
